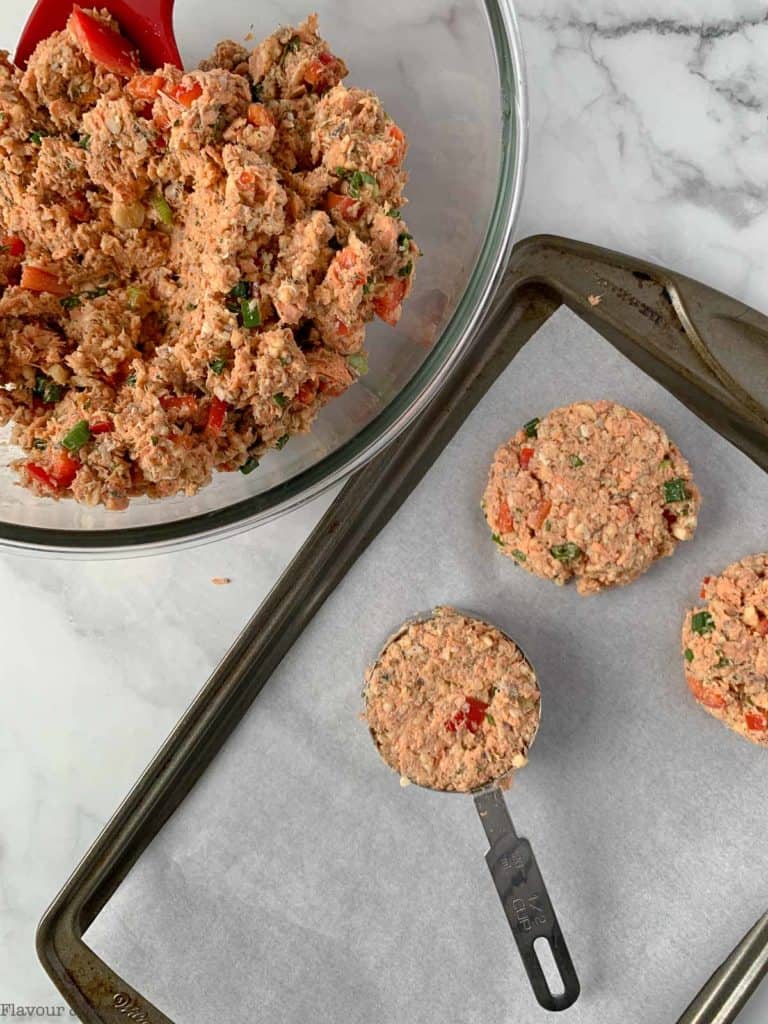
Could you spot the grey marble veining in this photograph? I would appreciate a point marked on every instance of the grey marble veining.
(648, 134)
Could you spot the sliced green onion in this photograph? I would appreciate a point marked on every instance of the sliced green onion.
(665, 464)
(96, 293)
(531, 428)
(250, 312)
(674, 490)
(218, 365)
(723, 662)
(280, 399)
(84, 141)
(130, 380)
(406, 270)
(79, 435)
(40, 444)
(161, 208)
(241, 290)
(281, 442)
(46, 389)
(394, 214)
(70, 301)
(565, 552)
(359, 362)
(402, 241)
(575, 461)
(497, 539)
(702, 622)
(134, 294)
(489, 718)
(358, 180)
(688, 654)
(519, 555)
(249, 465)
(36, 138)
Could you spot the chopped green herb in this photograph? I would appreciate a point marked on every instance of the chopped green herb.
(95, 293)
(519, 555)
(285, 360)
(702, 622)
(402, 241)
(665, 464)
(241, 290)
(155, 439)
(70, 301)
(79, 435)
(406, 270)
(367, 288)
(531, 428)
(343, 172)
(130, 380)
(565, 552)
(489, 718)
(674, 490)
(161, 208)
(84, 141)
(218, 365)
(249, 465)
(497, 539)
(40, 444)
(134, 295)
(723, 661)
(281, 442)
(191, 307)
(46, 389)
(280, 399)
(358, 180)
(36, 138)
(688, 654)
(257, 90)
(250, 312)
(394, 214)
(575, 461)
(359, 363)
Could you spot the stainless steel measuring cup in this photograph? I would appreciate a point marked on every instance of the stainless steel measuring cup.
(515, 873)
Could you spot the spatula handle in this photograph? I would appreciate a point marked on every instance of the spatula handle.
(526, 903)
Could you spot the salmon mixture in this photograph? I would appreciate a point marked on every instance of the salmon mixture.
(188, 260)
(592, 491)
(725, 648)
(452, 703)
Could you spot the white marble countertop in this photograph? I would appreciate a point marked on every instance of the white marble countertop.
(648, 134)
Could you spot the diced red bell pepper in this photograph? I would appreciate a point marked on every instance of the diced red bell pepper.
(78, 208)
(184, 404)
(217, 413)
(345, 206)
(145, 87)
(399, 145)
(13, 245)
(65, 468)
(472, 715)
(102, 45)
(35, 279)
(708, 697)
(323, 72)
(762, 627)
(40, 475)
(387, 300)
(307, 392)
(505, 521)
(342, 329)
(526, 454)
(756, 721)
(102, 427)
(259, 116)
(185, 94)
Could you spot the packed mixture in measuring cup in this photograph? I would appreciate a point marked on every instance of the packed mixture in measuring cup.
(452, 703)
(188, 260)
(725, 648)
(592, 491)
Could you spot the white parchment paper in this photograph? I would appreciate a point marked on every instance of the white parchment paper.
(299, 883)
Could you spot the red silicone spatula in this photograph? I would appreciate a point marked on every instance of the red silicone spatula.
(147, 23)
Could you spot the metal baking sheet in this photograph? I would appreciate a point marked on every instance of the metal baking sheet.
(299, 882)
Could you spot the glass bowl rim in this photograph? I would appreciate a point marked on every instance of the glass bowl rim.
(303, 487)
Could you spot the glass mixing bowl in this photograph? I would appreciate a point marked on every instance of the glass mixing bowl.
(452, 76)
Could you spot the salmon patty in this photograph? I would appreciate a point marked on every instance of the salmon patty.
(725, 648)
(452, 703)
(189, 259)
(592, 491)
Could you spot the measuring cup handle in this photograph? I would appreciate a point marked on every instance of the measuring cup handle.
(530, 914)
